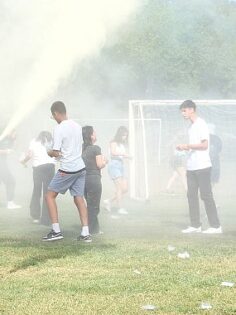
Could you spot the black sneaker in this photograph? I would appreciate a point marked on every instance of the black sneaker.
(53, 236)
(86, 239)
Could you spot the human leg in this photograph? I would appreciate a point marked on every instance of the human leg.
(204, 179)
(47, 171)
(93, 190)
(193, 200)
(35, 208)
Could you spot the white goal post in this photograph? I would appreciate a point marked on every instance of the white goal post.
(139, 120)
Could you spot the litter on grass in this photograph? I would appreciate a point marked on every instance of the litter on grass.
(184, 255)
(137, 272)
(170, 248)
(149, 307)
(205, 306)
(227, 284)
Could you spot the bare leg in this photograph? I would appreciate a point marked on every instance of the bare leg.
(83, 212)
(171, 180)
(182, 173)
(52, 206)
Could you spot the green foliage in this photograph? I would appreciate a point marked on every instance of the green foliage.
(170, 49)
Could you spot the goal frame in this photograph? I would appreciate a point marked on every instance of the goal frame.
(133, 141)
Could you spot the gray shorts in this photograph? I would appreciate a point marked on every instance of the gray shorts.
(75, 182)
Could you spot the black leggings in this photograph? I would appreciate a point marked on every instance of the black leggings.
(7, 179)
(92, 193)
(42, 175)
(200, 180)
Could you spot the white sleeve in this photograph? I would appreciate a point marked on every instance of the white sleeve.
(204, 132)
(57, 139)
(31, 145)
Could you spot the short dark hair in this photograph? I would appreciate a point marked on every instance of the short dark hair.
(188, 104)
(58, 107)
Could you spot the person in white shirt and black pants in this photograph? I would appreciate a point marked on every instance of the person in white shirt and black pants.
(198, 171)
(43, 172)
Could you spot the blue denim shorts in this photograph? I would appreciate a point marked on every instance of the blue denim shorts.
(75, 182)
(116, 169)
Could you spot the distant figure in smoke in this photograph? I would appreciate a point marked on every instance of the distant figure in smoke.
(94, 162)
(67, 147)
(116, 169)
(43, 172)
(215, 150)
(6, 177)
(198, 171)
(178, 165)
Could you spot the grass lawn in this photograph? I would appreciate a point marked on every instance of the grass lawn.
(67, 277)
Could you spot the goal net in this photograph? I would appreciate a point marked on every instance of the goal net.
(156, 126)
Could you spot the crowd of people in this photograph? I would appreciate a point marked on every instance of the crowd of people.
(80, 163)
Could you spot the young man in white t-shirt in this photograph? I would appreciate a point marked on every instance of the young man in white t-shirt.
(198, 171)
(67, 147)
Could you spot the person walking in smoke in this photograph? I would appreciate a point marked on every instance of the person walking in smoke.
(94, 162)
(198, 171)
(43, 172)
(215, 150)
(67, 147)
(116, 169)
(6, 177)
(178, 166)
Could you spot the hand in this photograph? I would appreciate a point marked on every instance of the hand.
(182, 147)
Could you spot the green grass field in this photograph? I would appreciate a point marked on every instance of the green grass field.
(67, 277)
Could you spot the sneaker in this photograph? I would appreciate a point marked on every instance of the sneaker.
(11, 205)
(192, 229)
(86, 239)
(107, 204)
(212, 230)
(122, 211)
(53, 236)
(35, 221)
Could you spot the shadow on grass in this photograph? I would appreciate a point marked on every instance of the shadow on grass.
(52, 250)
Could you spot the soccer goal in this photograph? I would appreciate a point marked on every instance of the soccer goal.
(155, 125)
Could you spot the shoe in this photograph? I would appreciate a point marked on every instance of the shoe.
(35, 221)
(122, 211)
(53, 236)
(192, 229)
(86, 239)
(212, 230)
(11, 205)
(107, 204)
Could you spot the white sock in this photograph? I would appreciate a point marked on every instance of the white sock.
(56, 227)
(85, 230)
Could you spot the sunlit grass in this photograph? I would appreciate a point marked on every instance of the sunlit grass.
(67, 277)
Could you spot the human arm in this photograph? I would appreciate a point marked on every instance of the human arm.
(5, 151)
(27, 157)
(54, 153)
(113, 150)
(202, 146)
(101, 161)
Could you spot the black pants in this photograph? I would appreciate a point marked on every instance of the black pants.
(201, 180)
(42, 175)
(7, 179)
(93, 192)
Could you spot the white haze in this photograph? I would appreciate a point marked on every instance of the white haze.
(43, 40)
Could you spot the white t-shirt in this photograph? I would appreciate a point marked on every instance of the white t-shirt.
(68, 139)
(39, 154)
(198, 159)
(120, 149)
